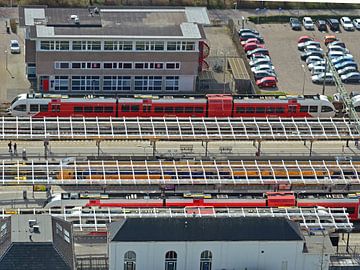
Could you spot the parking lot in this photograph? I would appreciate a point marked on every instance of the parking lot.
(281, 42)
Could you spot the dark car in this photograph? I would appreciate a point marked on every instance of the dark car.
(334, 24)
(263, 73)
(247, 30)
(352, 77)
(295, 24)
(258, 50)
(321, 25)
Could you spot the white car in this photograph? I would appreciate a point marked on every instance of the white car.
(14, 46)
(308, 23)
(259, 56)
(319, 78)
(314, 64)
(346, 24)
(356, 23)
(264, 67)
(317, 70)
(337, 48)
(336, 54)
(312, 48)
(312, 59)
(346, 70)
(303, 45)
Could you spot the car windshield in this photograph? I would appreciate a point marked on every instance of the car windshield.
(346, 20)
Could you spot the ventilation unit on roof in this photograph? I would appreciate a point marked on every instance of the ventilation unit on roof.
(77, 20)
(73, 17)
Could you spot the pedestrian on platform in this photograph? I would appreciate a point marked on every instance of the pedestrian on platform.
(15, 149)
(10, 147)
(24, 154)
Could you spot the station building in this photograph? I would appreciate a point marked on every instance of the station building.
(208, 243)
(114, 51)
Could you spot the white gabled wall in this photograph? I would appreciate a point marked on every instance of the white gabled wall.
(226, 255)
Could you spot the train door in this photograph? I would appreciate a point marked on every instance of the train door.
(292, 107)
(55, 108)
(220, 106)
(146, 108)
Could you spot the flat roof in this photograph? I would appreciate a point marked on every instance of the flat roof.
(179, 23)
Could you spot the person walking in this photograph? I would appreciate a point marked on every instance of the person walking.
(15, 148)
(10, 147)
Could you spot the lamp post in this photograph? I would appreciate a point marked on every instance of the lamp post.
(303, 88)
(6, 60)
(324, 79)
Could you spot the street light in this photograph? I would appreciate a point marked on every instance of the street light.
(326, 67)
(6, 60)
(303, 88)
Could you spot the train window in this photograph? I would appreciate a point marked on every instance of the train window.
(313, 108)
(260, 110)
(78, 109)
(21, 108)
(159, 109)
(43, 107)
(34, 107)
(280, 110)
(125, 108)
(179, 109)
(146, 108)
(88, 109)
(350, 210)
(304, 108)
(250, 110)
(98, 109)
(326, 109)
(189, 109)
(292, 109)
(109, 109)
(240, 109)
(270, 110)
(135, 108)
(169, 109)
(199, 110)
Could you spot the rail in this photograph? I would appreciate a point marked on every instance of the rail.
(85, 219)
(180, 172)
(172, 129)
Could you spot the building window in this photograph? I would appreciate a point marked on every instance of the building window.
(85, 83)
(31, 70)
(148, 83)
(172, 66)
(117, 83)
(205, 260)
(180, 46)
(54, 45)
(60, 83)
(170, 260)
(149, 46)
(110, 45)
(86, 45)
(130, 260)
(172, 83)
(62, 65)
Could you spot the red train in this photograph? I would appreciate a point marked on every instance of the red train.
(270, 199)
(38, 105)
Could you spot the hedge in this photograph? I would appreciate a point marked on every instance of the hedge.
(286, 18)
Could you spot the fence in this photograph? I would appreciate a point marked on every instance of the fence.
(92, 262)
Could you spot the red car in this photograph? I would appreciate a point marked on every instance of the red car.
(252, 46)
(304, 39)
(250, 40)
(266, 82)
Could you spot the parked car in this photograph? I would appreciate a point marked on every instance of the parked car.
(321, 25)
(303, 39)
(336, 54)
(346, 70)
(312, 48)
(337, 48)
(329, 39)
(356, 23)
(261, 61)
(352, 77)
(337, 43)
(333, 24)
(248, 30)
(262, 74)
(319, 78)
(14, 46)
(250, 40)
(305, 55)
(341, 59)
(347, 24)
(246, 36)
(346, 64)
(257, 50)
(318, 69)
(252, 46)
(263, 67)
(312, 59)
(259, 56)
(308, 23)
(266, 82)
(318, 63)
(295, 24)
(303, 45)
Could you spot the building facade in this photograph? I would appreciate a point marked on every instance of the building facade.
(114, 51)
(213, 244)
